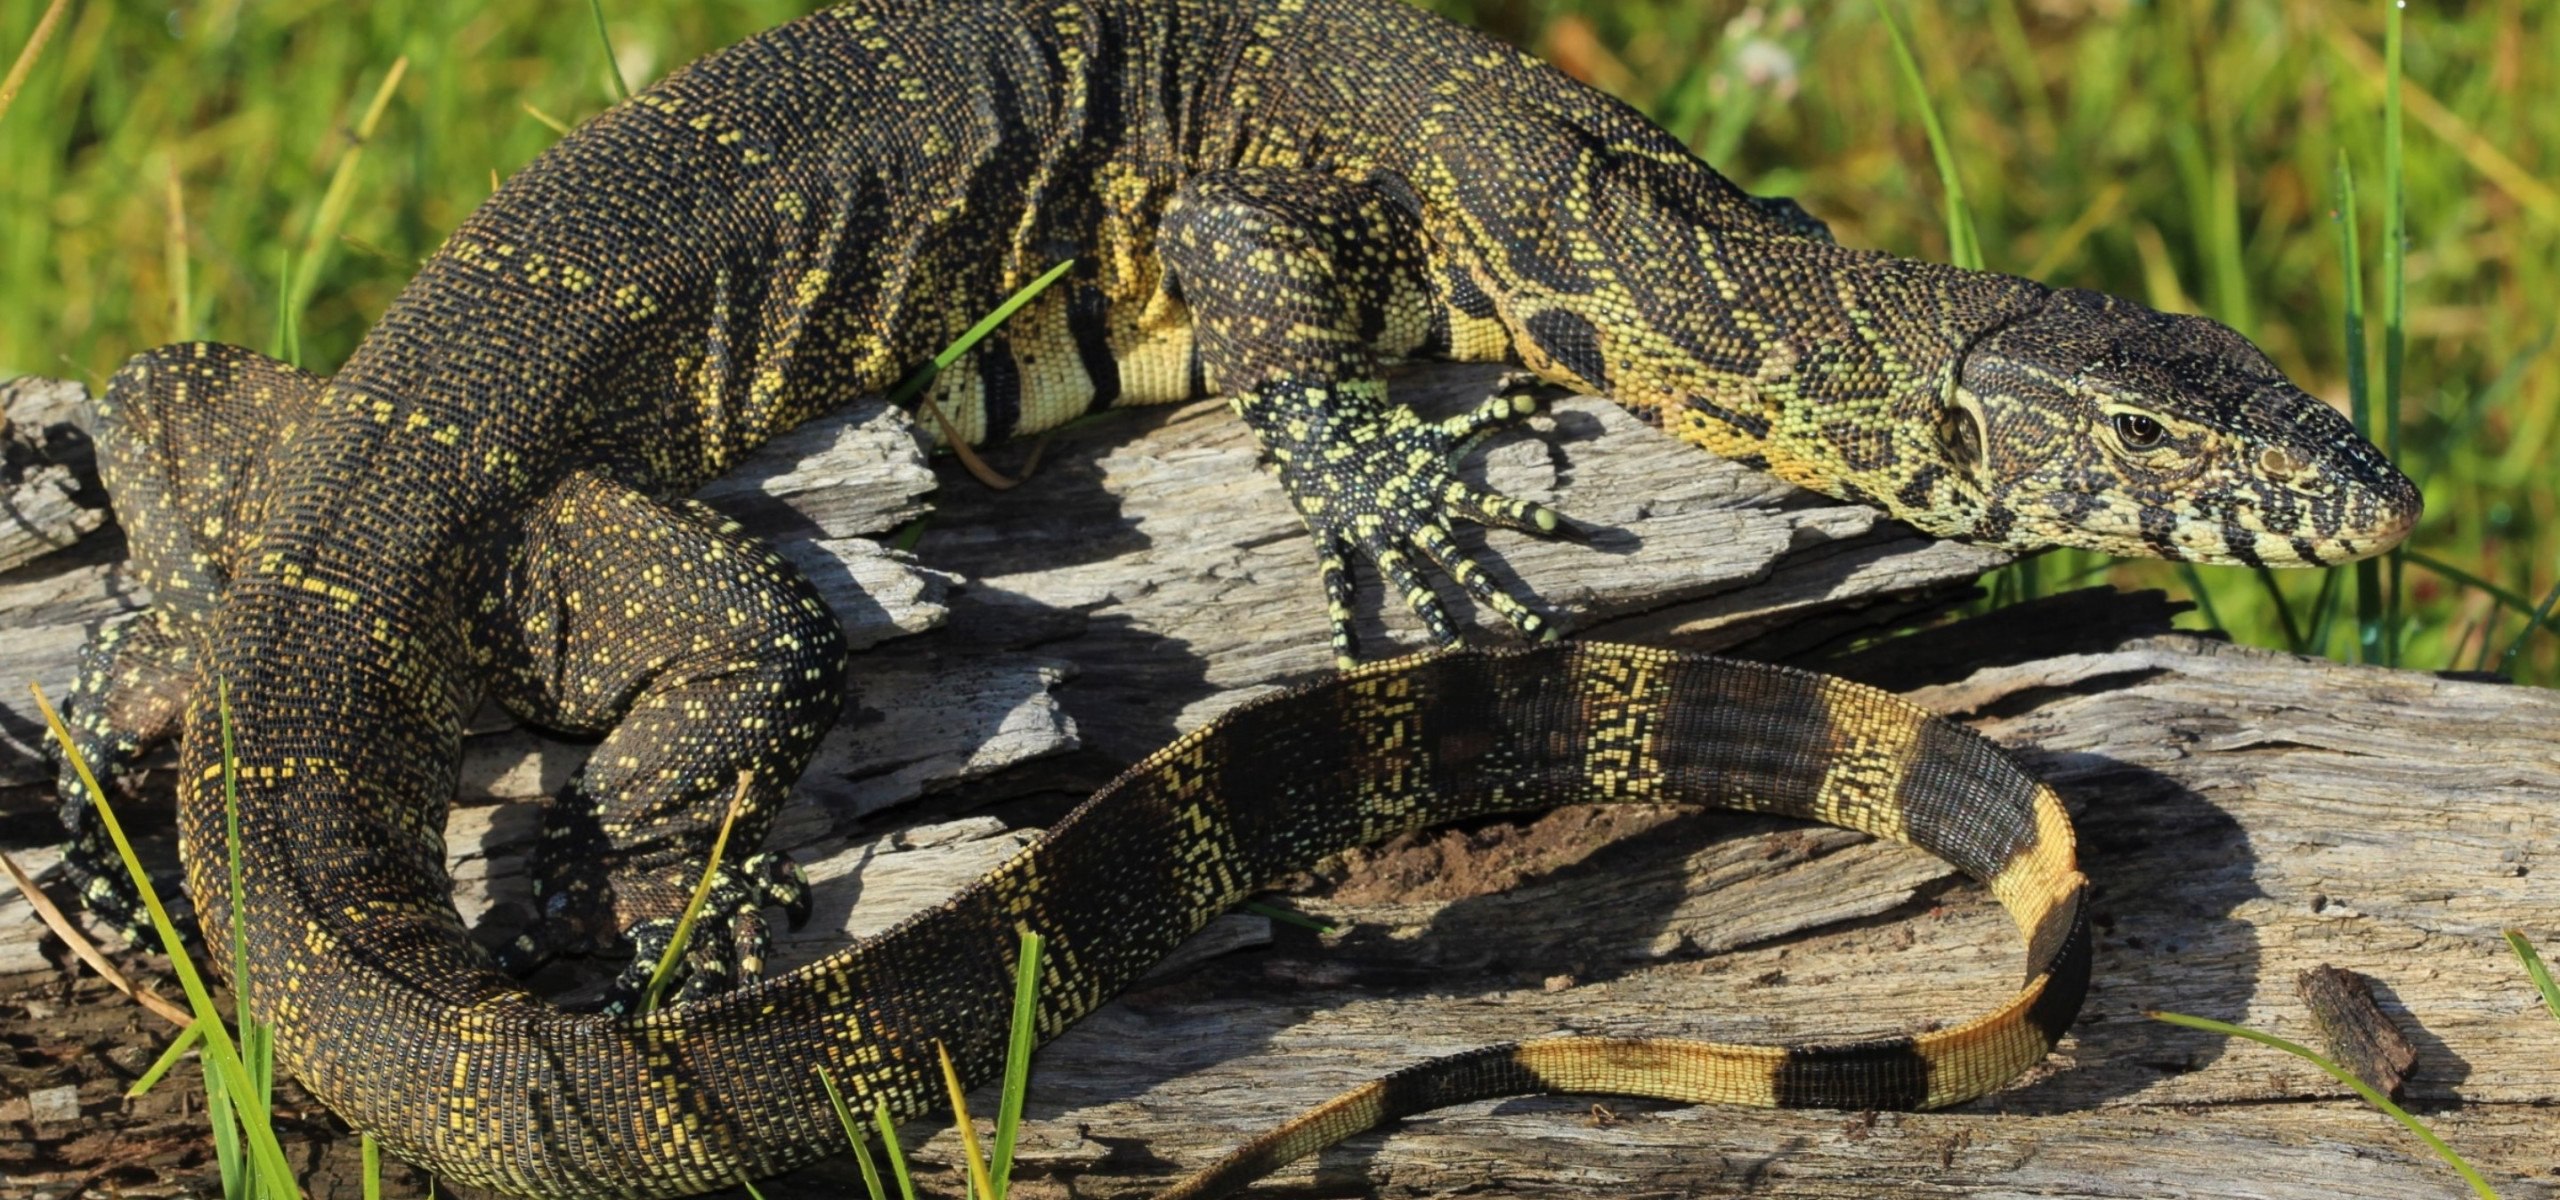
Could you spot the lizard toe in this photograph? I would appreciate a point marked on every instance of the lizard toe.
(780, 883)
(729, 940)
(1379, 483)
(1514, 398)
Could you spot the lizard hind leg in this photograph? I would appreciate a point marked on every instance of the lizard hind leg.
(700, 656)
(1297, 282)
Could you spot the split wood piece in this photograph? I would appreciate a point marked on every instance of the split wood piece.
(2357, 1034)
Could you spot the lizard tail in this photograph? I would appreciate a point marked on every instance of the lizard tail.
(455, 1068)
(1761, 738)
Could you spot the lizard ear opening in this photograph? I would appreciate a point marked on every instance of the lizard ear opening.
(1961, 436)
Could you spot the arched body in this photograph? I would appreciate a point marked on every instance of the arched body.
(1264, 199)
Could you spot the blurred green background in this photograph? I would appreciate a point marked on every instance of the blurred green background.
(163, 163)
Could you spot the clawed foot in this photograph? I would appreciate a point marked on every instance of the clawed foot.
(1375, 481)
(587, 912)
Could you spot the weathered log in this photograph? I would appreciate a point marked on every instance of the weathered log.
(2243, 814)
(46, 501)
(1149, 558)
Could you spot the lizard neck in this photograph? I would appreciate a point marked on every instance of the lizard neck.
(1831, 368)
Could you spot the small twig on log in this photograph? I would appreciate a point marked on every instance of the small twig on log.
(87, 950)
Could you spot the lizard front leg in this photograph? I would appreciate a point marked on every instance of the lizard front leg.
(700, 656)
(132, 691)
(1297, 282)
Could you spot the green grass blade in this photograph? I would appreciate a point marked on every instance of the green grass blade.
(239, 1179)
(554, 124)
(2536, 616)
(1017, 1061)
(2535, 971)
(910, 533)
(175, 260)
(612, 66)
(2342, 1075)
(2294, 639)
(2395, 294)
(288, 343)
(178, 1047)
(2203, 596)
(1964, 248)
(853, 1134)
(222, 1055)
(331, 216)
(2541, 613)
(665, 972)
(751, 1189)
(2324, 611)
(2369, 606)
(372, 1168)
(977, 333)
(2453, 661)
(889, 1143)
(262, 1080)
(26, 60)
(2459, 433)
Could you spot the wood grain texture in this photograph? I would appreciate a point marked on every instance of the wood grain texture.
(2245, 815)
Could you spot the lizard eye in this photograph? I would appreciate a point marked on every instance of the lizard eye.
(2139, 432)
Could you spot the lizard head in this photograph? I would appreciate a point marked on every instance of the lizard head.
(2095, 422)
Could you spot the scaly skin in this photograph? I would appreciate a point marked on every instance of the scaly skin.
(1267, 199)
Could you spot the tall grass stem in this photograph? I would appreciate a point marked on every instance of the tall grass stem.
(222, 1054)
(1964, 246)
(320, 242)
(26, 60)
(2535, 971)
(612, 62)
(1017, 1060)
(2395, 295)
(2369, 607)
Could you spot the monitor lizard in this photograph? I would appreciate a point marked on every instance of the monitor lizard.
(1263, 200)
